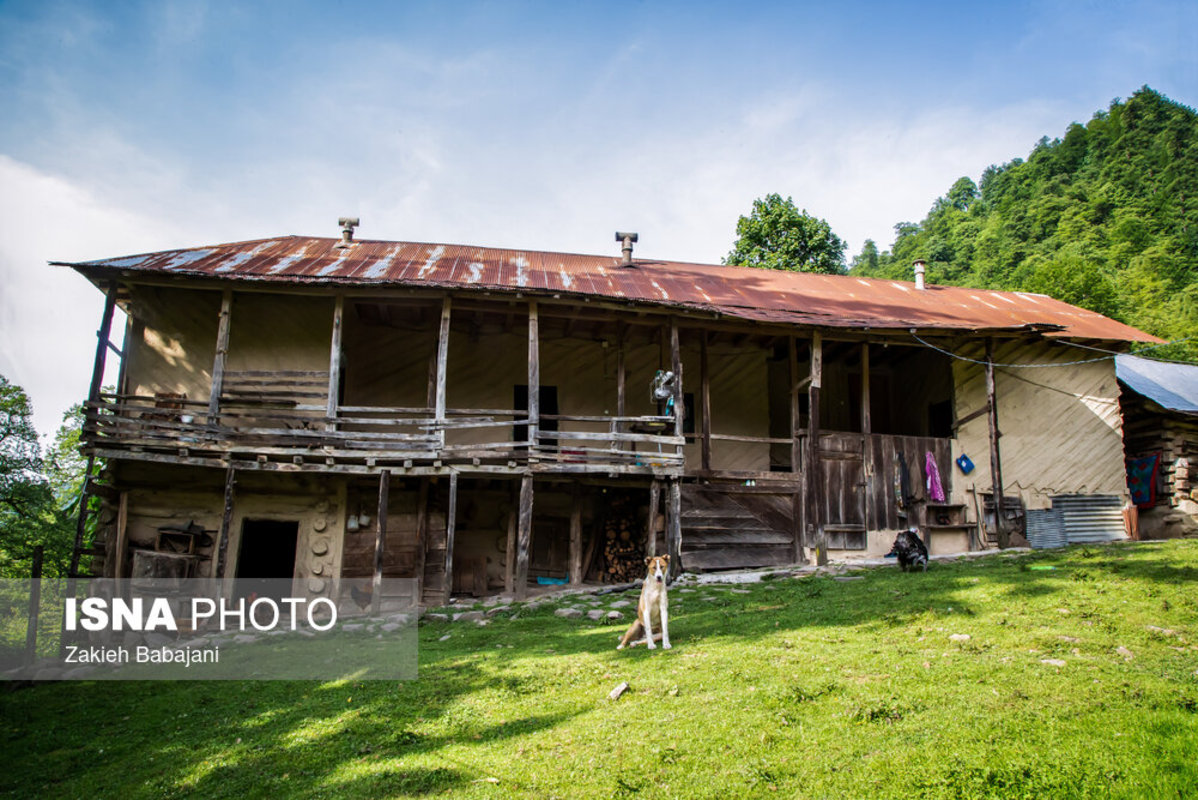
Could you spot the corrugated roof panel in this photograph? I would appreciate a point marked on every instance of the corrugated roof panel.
(1172, 386)
(754, 294)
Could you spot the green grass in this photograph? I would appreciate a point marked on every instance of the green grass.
(798, 688)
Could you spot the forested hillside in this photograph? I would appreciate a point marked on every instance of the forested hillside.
(1105, 217)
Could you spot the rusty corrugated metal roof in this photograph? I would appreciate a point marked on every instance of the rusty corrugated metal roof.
(755, 294)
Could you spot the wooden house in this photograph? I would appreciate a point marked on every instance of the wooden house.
(483, 419)
(1160, 419)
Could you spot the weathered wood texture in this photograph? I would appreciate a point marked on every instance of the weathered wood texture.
(725, 528)
(380, 539)
(335, 359)
(102, 339)
(523, 537)
(222, 355)
(813, 463)
(996, 487)
(575, 549)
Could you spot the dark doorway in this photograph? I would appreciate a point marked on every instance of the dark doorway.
(547, 407)
(266, 561)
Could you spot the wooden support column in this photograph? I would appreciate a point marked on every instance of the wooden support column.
(866, 422)
(451, 522)
(676, 366)
(421, 537)
(509, 575)
(102, 335)
(534, 382)
(867, 441)
(996, 481)
(222, 354)
(439, 389)
(335, 362)
(523, 538)
(674, 534)
(575, 551)
(815, 494)
(620, 378)
(380, 543)
(796, 454)
(122, 374)
(122, 538)
(654, 507)
(705, 402)
(226, 523)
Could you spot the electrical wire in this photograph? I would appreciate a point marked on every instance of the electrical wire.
(1110, 355)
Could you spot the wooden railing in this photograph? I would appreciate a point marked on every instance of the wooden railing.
(267, 426)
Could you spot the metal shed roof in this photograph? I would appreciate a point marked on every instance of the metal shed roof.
(754, 294)
(1171, 386)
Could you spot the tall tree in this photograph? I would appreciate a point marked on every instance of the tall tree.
(777, 235)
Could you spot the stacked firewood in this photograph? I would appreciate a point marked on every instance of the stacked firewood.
(623, 542)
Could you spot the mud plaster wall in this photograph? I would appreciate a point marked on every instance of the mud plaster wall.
(173, 341)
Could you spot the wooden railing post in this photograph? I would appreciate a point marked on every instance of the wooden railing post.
(534, 379)
(102, 335)
(797, 507)
(996, 481)
(380, 543)
(815, 496)
(679, 396)
(222, 353)
(335, 362)
(451, 522)
(575, 549)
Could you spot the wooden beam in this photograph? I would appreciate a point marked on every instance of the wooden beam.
(705, 402)
(866, 422)
(796, 453)
(996, 482)
(534, 379)
(575, 552)
(654, 506)
(226, 522)
(122, 375)
(523, 538)
(122, 533)
(815, 495)
(421, 537)
(451, 522)
(380, 543)
(442, 360)
(620, 378)
(676, 366)
(102, 342)
(674, 534)
(509, 575)
(335, 361)
(222, 355)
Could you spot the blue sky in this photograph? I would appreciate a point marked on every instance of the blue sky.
(133, 126)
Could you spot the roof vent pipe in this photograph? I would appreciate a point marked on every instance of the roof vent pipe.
(920, 269)
(347, 230)
(627, 239)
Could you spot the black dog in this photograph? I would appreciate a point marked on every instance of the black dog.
(910, 551)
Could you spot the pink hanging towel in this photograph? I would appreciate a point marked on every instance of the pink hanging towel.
(935, 489)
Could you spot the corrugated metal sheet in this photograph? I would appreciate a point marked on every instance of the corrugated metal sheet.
(1172, 386)
(1045, 528)
(754, 294)
(1090, 517)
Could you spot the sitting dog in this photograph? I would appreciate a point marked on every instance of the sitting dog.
(653, 608)
(910, 550)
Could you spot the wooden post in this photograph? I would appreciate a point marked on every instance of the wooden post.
(815, 495)
(654, 508)
(509, 575)
(534, 381)
(80, 526)
(1000, 520)
(421, 537)
(575, 554)
(442, 360)
(380, 543)
(866, 422)
(102, 335)
(335, 362)
(451, 522)
(35, 602)
(674, 535)
(523, 538)
(705, 402)
(676, 366)
(222, 354)
(620, 378)
(122, 525)
(226, 522)
(796, 454)
(122, 374)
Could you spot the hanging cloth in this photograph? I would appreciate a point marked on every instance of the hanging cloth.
(935, 488)
(902, 479)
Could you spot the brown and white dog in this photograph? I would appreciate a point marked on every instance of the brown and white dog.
(653, 609)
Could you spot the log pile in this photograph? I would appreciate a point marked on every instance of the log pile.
(623, 542)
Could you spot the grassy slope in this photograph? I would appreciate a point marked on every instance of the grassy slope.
(808, 688)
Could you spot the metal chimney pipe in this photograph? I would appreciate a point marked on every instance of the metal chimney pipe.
(920, 269)
(347, 230)
(627, 239)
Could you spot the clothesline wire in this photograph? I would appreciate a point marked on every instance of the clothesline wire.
(1111, 355)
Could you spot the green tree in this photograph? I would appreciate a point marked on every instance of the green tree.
(866, 262)
(777, 235)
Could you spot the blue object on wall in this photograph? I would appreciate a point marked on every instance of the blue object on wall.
(965, 464)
